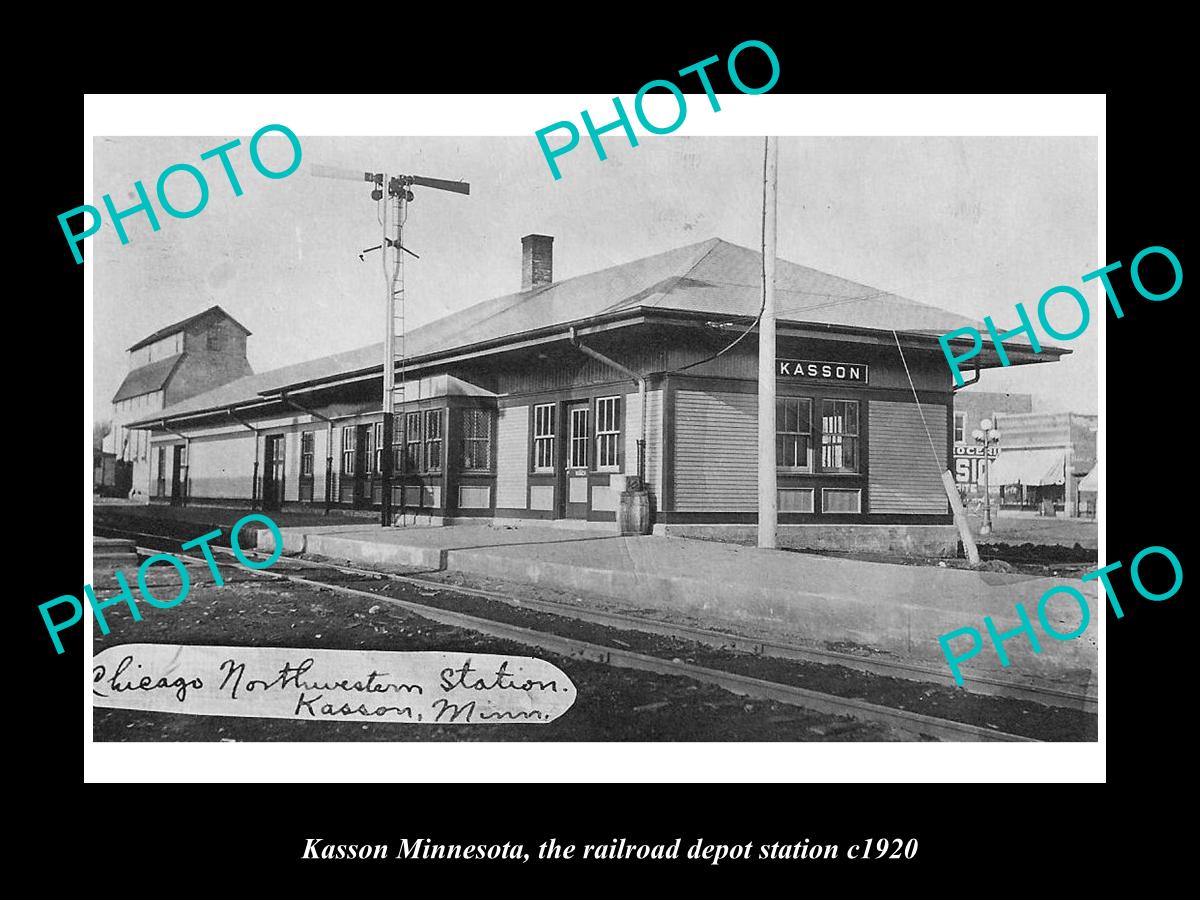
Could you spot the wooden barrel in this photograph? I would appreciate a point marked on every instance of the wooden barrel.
(633, 512)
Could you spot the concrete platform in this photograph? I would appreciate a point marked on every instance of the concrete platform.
(895, 609)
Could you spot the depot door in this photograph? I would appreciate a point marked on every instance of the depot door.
(362, 459)
(177, 477)
(578, 460)
(273, 473)
(160, 480)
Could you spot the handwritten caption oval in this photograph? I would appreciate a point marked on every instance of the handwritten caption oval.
(331, 685)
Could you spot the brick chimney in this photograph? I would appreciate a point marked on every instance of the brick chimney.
(537, 261)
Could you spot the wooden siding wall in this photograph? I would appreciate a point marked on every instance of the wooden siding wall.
(903, 475)
(221, 467)
(716, 451)
(512, 457)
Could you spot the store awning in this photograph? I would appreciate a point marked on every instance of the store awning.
(1091, 481)
(1029, 467)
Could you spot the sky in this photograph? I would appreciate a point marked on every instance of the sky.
(973, 225)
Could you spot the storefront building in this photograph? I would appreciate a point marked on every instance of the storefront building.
(971, 409)
(1043, 459)
(535, 405)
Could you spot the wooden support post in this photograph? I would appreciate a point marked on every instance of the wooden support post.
(960, 517)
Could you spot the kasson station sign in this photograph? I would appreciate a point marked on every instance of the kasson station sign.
(820, 371)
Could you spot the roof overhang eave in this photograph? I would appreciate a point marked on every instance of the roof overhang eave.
(158, 421)
(987, 358)
(547, 335)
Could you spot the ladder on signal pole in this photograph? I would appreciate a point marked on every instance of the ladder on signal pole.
(393, 195)
(398, 342)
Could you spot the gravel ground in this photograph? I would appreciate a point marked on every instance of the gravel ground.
(1039, 530)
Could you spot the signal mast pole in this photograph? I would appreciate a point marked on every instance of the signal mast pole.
(394, 211)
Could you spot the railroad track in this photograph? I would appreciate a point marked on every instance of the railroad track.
(817, 701)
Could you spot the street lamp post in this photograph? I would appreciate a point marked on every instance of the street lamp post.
(986, 436)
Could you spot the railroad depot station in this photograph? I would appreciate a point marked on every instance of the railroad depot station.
(532, 406)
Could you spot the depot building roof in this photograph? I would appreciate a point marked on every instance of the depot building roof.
(713, 278)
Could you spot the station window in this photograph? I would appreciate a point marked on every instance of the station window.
(793, 434)
(579, 438)
(608, 433)
(433, 440)
(839, 435)
(477, 440)
(543, 438)
(162, 473)
(960, 428)
(412, 442)
(306, 453)
(349, 445)
(375, 441)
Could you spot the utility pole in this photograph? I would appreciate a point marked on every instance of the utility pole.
(393, 210)
(393, 194)
(768, 496)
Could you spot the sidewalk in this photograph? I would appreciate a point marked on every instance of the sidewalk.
(798, 598)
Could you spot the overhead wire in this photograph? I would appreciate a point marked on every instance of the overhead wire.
(936, 460)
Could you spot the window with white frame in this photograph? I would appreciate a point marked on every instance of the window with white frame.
(543, 438)
(608, 433)
(412, 442)
(476, 439)
(162, 472)
(376, 447)
(433, 440)
(306, 453)
(793, 433)
(349, 447)
(960, 428)
(839, 435)
(578, 446)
